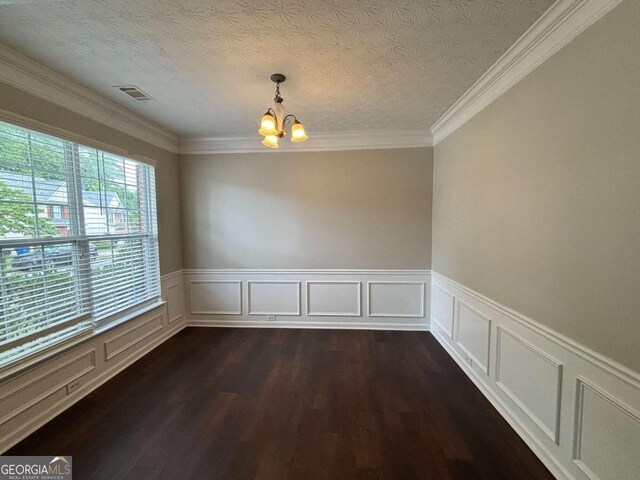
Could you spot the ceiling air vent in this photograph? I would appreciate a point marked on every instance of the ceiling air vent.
(134, 92)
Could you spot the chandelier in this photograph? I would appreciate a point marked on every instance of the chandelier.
(274, 121)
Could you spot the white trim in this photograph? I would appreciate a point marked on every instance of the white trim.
(46, 373)
(311, 325)
(484, 365)
(274, 282)
(539, 449)
(564, 362)
(130, 314)
(215, 312)
(319, 319)
(558, 26)
(554, 434)
(620, 371)
(36, 79)
(108, 355)
(336, 314)
(169, 276)
(180, 288)
(581, 385)
(396, 315)
(287, 271)
(453, 310)
(318, 142)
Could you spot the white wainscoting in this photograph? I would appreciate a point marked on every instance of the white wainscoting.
(442, 309)
(334, 298)
(607, 436)
(31, 396)
(533, 381)
(473, 335)
(390, 299)
(215, 297)
(395, 299)
(577, 410)
(273, 297)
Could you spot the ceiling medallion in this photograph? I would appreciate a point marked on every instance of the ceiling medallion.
(275, 121)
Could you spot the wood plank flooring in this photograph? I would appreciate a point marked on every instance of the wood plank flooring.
(282, 404)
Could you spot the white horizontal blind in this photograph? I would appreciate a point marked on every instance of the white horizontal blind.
(120, 224)
(78, 239)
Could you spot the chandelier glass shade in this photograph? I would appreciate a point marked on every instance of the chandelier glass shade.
(270, 141)
(297, 132)
(268, 125)
(275, 122)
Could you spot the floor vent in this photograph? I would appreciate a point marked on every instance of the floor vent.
(134, 92)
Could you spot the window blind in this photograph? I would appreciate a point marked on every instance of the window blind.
(78, 239)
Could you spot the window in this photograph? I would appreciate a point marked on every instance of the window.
(78, 239)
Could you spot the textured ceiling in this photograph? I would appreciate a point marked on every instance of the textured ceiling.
(352, 65)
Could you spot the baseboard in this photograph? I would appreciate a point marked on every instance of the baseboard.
(576, 409)
(311, 325)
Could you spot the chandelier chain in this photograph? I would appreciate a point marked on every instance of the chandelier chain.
(278, 98)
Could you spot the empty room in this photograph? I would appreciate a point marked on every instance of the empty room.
(320, 239)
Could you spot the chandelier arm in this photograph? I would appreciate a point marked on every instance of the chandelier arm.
(274, 115)
(288, 117)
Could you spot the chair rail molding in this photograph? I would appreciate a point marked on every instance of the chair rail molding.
(41, 81)
(532, 376)
(557, 27)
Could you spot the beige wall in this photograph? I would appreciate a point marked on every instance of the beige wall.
(537, 198)
(357, 209)
(169, 224)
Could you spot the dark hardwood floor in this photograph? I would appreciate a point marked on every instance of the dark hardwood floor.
(288, 404)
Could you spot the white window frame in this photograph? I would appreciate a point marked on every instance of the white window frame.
(77, 235)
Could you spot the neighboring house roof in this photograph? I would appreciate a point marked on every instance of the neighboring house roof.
(46, 190)
(98, 199)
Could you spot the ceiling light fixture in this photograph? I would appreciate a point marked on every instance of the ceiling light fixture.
(274, 121)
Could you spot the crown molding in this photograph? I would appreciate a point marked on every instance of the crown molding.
(558, 26)
(318, 142)
(26, 74)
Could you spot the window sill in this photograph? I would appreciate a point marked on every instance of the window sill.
(125, 317)
(41, 357)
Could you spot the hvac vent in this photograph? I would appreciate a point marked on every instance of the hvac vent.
(134, 92)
